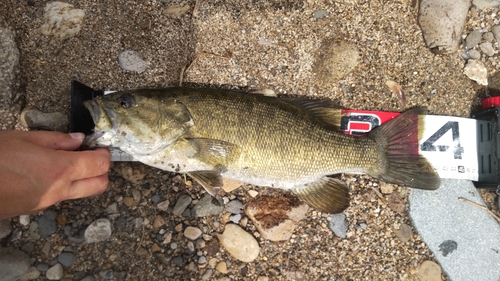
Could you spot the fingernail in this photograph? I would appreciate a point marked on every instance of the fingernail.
(77, 136)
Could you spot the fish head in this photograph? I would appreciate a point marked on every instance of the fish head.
(137, 122)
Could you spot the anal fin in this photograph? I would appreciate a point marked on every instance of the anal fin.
(210, 180)
(326, 195)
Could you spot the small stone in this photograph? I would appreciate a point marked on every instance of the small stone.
(489, 37)
(334, 60)
(132, 61)
(200, 244)
(112, 208)
(476, 71)
(396, 204)
(46, 248)
(128, 201)
(404, 233)
(177, 10)
(239, 243)
(234, 207)
(158, 222)
(141, 252)
(181, 205)
(496, 32)
(474, 54)
(192, 232)
(24, 219)
(262, 278)
(5, 228)
(107, 274)
(253, 193)
(99, 230)
(386, 188)
(179, 261)
(429, 271)
(42, 267)
(319, 14)
(164, 259)
(338, 224)
(235, 218)
(164, 205)
(28, 247)
(136, 194)
(244, 221)
(62, 20)
(221, 267)
(229, 185)
(208, 206)
(473, 39)
(66, 259)
(487, 49)
(62, 219)
(202, 260)
(46, 227)
(155, 248)
(156, 198)
(133, 172)
(276, 217)
(33, 273)
(55, 272)
(206, 276)
(13, 263)
(35, 119)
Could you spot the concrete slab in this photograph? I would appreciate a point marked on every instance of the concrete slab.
(464, 238)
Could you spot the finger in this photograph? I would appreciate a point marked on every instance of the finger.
(88, 187)
(55, 140)
(88, 164)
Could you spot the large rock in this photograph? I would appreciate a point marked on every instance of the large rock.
(13, 264)
(62, 20)
(276, 217)
(442, 22)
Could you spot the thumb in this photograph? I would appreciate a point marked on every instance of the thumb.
(56, 140)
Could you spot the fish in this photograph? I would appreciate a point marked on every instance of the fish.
(289, 143)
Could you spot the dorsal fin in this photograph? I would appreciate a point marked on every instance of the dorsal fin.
(326, 113)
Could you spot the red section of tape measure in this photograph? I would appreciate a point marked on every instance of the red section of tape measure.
(490, 102)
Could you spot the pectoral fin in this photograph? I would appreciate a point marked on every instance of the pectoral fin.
(210, 180)
(326, 195)
(216, 153)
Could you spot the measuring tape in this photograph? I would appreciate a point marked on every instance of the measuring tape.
(457, 148)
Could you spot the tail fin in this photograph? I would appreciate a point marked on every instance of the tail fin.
(399, 161)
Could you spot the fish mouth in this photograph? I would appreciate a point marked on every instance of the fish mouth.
(93, 109)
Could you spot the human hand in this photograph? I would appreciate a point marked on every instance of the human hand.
(39, 169)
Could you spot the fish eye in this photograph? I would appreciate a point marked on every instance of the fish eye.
(126, 101)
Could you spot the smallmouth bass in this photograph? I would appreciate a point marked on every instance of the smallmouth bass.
(288, 143)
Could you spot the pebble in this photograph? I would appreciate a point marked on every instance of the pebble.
(207, 275)
(181, 205)
(489, 37)
(53, 121)
(235, 218)
(46, 248)
(33, 273)
(55, 272)
(229, 185)
(429, 271)
(335, 59)
(476, 71)
(156, 198)
(192, 233)
(133, 172)
(62, 20)
(164, 259)
(319, 14)
(386, 188)
(132, 61)
(474, 54)
(13, 263)
(141, 252)
(136, 194)
(177, 10)
(99, 230)
(202, 260)
(155, 248)
(28, 247)
(200, 244)
(208, 206)
(487, 48)
(234, 207)
(88, 278)
(46, 226)
(404, 233)
(496, 32)
(179, 261)
(163, 205)
(239, 243)
(158, 222)
(42, 267)
(221, 267)
(338, 224)
(75, 235)
(66, 259)
(473, 39)
(276, 217)
(253, 193)
(24, 220)
(5, 228)
(128, 201)
(107, 274)
(112, 208)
